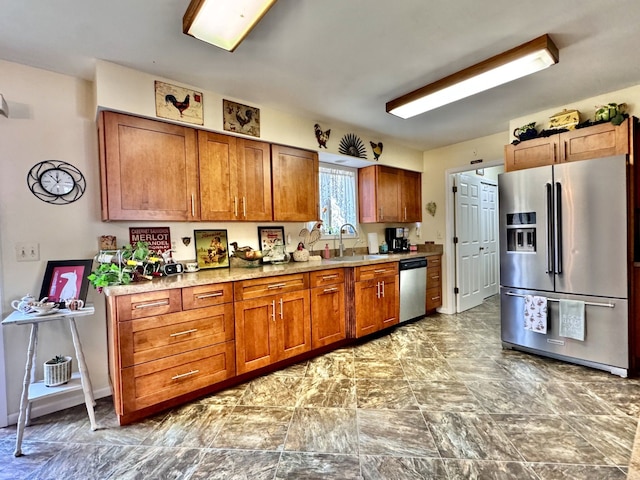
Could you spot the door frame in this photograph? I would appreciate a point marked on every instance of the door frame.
(449, 305)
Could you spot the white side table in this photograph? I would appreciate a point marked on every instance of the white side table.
(31, 390)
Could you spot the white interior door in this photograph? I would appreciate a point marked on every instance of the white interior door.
(467, 226)
(489, 243)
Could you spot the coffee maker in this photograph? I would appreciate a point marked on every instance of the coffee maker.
(397, 239)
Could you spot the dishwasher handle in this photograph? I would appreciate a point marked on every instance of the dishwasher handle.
(410, 264)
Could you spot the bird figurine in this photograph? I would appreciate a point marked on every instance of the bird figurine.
(377, 150)
(243, 120)
(245, 253)
(321, 136)
(181, 106)
(311, 237)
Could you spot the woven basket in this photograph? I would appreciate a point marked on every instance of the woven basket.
(57, 373)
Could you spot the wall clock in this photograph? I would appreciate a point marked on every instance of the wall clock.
(57, 182)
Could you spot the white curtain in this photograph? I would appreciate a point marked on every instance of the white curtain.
(337, 198)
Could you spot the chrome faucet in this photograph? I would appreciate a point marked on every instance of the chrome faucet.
(341, 245)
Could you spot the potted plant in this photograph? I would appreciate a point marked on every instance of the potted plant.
(128, 264)
(57, 371)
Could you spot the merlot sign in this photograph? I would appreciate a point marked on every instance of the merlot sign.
(158, 238)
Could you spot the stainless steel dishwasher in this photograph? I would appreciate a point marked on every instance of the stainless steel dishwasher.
(413, 288)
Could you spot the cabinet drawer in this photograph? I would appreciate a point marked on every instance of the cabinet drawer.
(154, 382)
(149, 304)
(369, 272)
(327, 277)
(152, 338)
(261, 287)
(434, 298)
(207, 295)
(433, 277)
(434, 261)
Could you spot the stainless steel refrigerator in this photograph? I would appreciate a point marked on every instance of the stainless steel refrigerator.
(563, 235)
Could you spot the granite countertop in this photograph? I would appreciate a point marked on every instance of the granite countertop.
(220, 275)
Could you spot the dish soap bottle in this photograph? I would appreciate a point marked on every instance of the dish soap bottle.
(383, 247)
(327, 253)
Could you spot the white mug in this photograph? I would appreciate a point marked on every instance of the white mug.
(74, 304)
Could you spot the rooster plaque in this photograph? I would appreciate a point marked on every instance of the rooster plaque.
(177, 103)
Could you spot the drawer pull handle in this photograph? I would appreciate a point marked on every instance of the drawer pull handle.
(209, 295)
(273, 310)
(435, 277)
(186, 332)
(281, 310)
(183, 375)
(276, 285)
(330, 290)
(329, 277)
(435, 298)
(380, 271)
(161, 303)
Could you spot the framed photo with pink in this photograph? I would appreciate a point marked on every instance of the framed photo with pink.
(66, 279)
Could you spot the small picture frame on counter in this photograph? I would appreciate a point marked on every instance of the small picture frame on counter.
(270, 236)
(212, 248)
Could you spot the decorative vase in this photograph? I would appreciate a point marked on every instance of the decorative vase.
(57, 373)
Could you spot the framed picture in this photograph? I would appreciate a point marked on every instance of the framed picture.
(212, 248)
(178, 103)
(66, 279)
(270, 236)
(240, 118)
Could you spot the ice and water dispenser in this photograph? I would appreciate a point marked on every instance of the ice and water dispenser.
(521, 232)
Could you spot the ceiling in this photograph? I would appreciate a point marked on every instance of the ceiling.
(341, 61)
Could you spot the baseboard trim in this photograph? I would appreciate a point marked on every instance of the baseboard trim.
(46, 406)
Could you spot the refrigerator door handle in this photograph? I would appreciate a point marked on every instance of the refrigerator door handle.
(558, 228)
(550, 233)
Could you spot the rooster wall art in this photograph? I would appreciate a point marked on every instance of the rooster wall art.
(180, 106)
(321, 136)
(178, 103)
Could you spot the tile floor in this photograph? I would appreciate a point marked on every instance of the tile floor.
(434, 399)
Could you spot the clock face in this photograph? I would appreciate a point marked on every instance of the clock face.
(57, 182)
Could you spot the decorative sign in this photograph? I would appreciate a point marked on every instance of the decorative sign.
(158, 238)
(178, 103)
(240, 118)
(212, 248)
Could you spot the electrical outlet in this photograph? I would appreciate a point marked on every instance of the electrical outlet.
(439, 235)
(27, 251)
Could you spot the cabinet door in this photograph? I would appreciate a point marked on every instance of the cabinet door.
(388, 193)
(327, 315)
(148, 169)
(254, 177)
(411, 191)
(218, 183)
(531, 153)
(255, 324)
(602, 140)
(367, 320)
(388, 307)
(293, 324)
(295, 184)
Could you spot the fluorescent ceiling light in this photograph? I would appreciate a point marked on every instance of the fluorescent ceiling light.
(223, 23)
(518, 62)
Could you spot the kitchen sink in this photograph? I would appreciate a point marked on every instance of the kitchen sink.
(357, 258)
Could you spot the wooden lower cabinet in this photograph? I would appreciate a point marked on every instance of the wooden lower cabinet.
(377, 294)
(434, 283)
(328, 307)
(272, 324)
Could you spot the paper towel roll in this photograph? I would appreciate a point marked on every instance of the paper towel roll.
(373, 242)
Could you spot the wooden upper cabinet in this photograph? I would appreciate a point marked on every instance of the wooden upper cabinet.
(602, 140)
(148, 169)
(597, 141)
(235, 178)
(389, 194)
(411, 196)
(295, 184)
(531, 153)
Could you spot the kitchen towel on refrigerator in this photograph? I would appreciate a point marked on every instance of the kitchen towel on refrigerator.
(535, 313)
(572, 319)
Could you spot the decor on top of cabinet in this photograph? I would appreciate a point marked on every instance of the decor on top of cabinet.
(566, 119)
(352, 145)
(240, 118)
(270, 236)
(525, 132)
(212, 249)
(377, 149)
(611, 112)
(178, 103)
(321, 136)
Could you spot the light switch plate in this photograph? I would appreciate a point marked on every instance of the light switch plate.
(27, 251)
